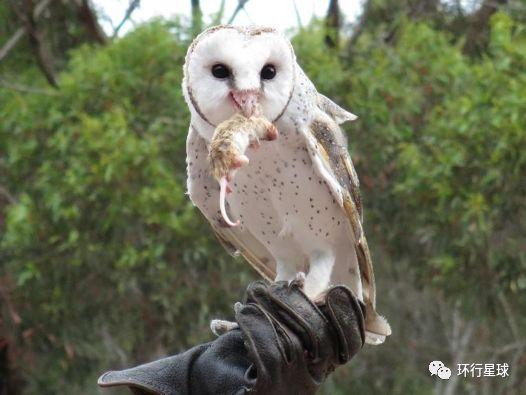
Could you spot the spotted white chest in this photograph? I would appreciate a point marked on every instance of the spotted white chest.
(283, 202)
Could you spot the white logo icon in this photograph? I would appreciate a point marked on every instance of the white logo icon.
(444, 373)
(439, 369)
(434, 366)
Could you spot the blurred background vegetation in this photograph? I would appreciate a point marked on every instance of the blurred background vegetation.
(104, 263)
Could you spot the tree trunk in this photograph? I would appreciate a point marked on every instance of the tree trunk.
(26, 12)
(88, 18)
(477, 35)
(332, 25)
(197, 17)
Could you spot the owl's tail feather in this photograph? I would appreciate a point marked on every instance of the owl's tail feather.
(223, 185)
(376, 327)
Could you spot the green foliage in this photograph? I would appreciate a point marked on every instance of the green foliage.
(322, 65)
(101, 216)
(447, 135)
(439, 148)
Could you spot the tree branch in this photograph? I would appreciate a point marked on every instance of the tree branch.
(360, 27)
(89, 19)
(478, 30)
(134, 4)
(514, 328)
(7, 195)
(4, 294)
(197, 17)
(37, 41)
(332, 24)
(219, 15)
(25, 89)
(15, 38)
(459, 340)
(298, 16)
(240, 5)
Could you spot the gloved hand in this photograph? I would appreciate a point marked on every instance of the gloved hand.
(285, 344)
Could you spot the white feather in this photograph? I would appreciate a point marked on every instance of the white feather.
(288, 200)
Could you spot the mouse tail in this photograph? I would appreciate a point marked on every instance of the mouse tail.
(223, 185)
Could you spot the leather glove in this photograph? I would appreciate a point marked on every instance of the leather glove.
(285, 344)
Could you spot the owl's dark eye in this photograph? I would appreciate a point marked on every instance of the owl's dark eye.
(268, 72)
(220, 71)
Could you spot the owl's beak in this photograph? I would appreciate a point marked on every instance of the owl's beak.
(245, 101)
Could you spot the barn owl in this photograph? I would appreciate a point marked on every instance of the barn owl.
(297, 202)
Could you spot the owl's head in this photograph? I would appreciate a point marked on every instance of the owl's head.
(231, 69)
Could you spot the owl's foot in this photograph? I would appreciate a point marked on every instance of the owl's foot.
(299, 280)
(220, 327)
(320, 298)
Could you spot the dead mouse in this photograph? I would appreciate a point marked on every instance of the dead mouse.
(228, 146)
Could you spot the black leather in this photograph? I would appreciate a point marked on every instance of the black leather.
(285, 344)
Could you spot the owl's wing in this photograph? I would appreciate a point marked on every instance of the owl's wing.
(203, 190)
(242, 242)
(338, 114)
(328, 147)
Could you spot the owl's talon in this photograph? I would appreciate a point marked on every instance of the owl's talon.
(299, 280)
(220, 327)
(237, 307)
(320, 298)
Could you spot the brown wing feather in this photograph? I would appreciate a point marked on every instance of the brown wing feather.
(338, 158)
(329, 136)
(331, 148)
(235, 241)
